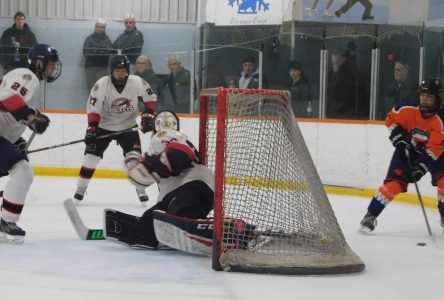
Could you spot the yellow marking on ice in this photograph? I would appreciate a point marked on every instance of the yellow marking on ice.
(367, 193)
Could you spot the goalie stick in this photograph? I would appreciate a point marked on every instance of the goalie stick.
(84, 232)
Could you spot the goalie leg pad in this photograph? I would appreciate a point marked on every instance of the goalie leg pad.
(189, 235)
(126, 229)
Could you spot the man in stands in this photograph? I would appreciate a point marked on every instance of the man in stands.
(18, 90)
(419, 132)
(112, 107)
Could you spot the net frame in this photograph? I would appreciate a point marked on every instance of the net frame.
(286, 261)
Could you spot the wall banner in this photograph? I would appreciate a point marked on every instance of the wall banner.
(248, 12)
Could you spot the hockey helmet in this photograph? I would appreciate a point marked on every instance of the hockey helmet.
(163, 137)
(166, 119)
(39, 57)
(119, 62)
(431, 86)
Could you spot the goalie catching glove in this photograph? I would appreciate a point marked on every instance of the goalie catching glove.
(137, 172)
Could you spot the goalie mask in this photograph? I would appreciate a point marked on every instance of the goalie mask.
(163, 137)
(166, 119)
(431, 86)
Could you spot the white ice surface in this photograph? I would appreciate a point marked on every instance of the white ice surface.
(54, 263)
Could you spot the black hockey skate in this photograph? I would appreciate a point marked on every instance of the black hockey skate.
(126, 229)
(368, 224)
(10, 232)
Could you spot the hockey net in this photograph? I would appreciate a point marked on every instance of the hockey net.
(267, 186)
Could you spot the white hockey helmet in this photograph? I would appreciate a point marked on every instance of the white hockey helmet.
(164, 137)
(166, 119)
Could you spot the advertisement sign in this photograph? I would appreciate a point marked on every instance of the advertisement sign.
(347, 11)
(248, 12)
(436, 9)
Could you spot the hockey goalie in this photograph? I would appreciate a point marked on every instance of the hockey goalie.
(186, 196)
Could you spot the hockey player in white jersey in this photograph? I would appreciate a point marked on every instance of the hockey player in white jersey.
(19, 91)
(112, 107)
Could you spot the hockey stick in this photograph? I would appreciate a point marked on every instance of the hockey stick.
(409, 162)
(84, 232)
(82, 140)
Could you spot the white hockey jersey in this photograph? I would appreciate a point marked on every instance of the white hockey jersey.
(118, 111)
(197, 172)
(17, 86)
(158, 145)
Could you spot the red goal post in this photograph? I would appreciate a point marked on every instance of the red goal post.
(271, 213)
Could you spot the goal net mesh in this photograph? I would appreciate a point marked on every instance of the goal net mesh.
(281, 220)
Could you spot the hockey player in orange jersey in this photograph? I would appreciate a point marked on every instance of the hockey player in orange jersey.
(420, 131)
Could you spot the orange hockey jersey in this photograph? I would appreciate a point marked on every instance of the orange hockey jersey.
(422, 132)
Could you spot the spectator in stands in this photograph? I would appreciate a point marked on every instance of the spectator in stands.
(249, 78)
(299, 87)
(97, 49)
(175, 89)
(402, 91)
(342, 84)
(131, 40)
(16, 42)
(144, 69)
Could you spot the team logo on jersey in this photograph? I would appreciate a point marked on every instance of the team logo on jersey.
(120, 105)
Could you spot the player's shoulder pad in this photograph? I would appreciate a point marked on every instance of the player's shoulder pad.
(101, 83)
(23, 75)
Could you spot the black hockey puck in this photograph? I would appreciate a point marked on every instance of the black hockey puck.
(420, 244)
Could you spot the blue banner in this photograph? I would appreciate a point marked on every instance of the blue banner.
(346, 11)
(436, 9)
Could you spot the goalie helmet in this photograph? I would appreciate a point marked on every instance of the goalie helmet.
(119, 62)
(166, 119)
(431, 86)
(44, 62)
(163, 137)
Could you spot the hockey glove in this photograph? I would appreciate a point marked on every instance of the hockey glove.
(90, 135)
(38, 122)
(398, 137)
(147, 123)
(415, 173)
(137, 173)
(21, 145)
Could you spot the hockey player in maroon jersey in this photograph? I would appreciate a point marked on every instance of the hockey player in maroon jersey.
(113, 107)
(419, 130)
(19, 91)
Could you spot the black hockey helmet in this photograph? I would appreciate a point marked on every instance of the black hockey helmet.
(119, 62)
(38, 58)
(431, 86)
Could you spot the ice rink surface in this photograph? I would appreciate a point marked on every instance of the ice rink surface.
(54, 263)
